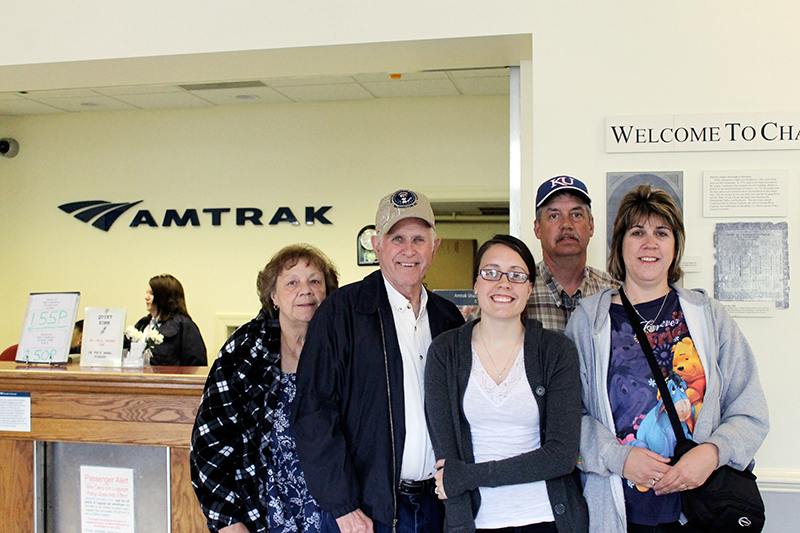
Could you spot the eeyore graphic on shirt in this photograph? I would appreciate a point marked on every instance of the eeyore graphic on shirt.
(655, 431)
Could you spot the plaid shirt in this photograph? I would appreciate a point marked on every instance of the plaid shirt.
(550, 303)
(229, 452)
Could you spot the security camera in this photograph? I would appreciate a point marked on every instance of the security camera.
(9, 147)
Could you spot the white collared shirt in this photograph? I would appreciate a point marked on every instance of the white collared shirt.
(414, 338)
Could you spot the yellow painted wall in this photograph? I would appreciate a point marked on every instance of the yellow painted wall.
(343, 154)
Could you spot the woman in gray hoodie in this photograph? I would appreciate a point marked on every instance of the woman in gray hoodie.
(626, 438)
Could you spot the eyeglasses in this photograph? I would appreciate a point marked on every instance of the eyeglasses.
(491, 274)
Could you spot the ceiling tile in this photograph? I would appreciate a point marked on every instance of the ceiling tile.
(139, 89)
(86, 103)
(59, 93)
(262, 95)
(25, 107)
(400, 89)
(315, 93)
(482, 85)
(491, 80)
(316, 80)
(405, 76)
(9, 96)
(498, 72)
(163, 100)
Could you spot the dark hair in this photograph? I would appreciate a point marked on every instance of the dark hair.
(286, 258)
(512, 242)
(636, 207)
(168, 297)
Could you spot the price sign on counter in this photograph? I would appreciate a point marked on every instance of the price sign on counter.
(47, 330)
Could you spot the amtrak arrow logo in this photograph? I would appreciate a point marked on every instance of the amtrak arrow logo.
(106, 212)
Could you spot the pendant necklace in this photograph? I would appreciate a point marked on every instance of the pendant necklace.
(650, 325)
(508, 360)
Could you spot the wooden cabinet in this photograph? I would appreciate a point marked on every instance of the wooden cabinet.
(154, 406)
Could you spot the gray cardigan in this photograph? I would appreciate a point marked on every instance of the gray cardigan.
(734, 413)
(551, 365)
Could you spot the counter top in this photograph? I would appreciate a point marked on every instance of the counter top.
(168, 380)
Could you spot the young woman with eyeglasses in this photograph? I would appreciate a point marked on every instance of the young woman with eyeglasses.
(503, 405)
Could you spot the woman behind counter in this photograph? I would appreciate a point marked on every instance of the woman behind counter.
(245, 468)
(625, 452)
(503, 406)
(166, 304)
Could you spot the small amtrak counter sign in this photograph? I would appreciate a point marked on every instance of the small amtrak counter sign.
(105, 213)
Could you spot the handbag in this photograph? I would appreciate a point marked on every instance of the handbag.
(729, 499)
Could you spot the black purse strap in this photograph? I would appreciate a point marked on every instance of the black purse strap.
(644, 342)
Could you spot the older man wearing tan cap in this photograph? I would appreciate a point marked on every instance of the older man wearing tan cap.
(359, 413)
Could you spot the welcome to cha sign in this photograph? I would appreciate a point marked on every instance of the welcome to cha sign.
(698, 133)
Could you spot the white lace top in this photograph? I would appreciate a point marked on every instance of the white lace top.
(504, 422)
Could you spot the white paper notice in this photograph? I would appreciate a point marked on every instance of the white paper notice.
(15, 411)
(103, 330)
(106, 500)
(746, 193)
(750, 309)
(752, 262)
(692, 263)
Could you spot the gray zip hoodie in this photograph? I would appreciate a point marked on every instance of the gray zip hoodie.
(734, 415)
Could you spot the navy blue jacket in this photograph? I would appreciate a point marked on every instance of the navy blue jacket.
(350, 372)
(183, 345)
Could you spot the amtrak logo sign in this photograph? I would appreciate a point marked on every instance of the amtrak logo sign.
(102, 215)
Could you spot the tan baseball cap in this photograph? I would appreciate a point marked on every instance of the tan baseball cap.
(403, 204)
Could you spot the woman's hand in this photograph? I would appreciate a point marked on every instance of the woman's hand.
(691, 471)
(238, 527)
(354, 522)
(645, 468)
(439, 477)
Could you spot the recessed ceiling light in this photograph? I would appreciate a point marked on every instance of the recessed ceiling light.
(246, 97)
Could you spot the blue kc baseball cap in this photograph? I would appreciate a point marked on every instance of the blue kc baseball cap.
(562, 184)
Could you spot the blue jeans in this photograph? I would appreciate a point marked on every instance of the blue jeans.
(421, 513)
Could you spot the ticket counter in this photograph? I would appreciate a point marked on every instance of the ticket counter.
(153, 407)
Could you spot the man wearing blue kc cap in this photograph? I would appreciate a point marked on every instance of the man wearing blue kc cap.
(359, 418)
(564, 225)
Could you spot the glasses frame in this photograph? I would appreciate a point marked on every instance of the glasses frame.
(483, 272)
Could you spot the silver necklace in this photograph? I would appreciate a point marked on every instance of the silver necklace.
(508, 360)
(650, 325)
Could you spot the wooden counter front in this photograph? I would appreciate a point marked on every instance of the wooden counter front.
(155, 406)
